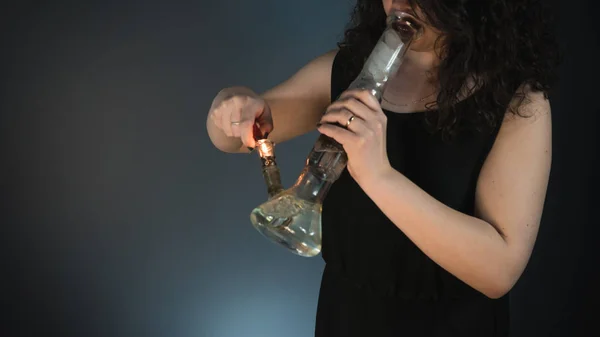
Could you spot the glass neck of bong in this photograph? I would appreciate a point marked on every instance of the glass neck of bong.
(387, 55)
(311, 186)
(328, 159)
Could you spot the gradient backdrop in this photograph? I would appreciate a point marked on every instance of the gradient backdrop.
(119, 217)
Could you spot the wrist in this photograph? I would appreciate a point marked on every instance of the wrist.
(377, 178)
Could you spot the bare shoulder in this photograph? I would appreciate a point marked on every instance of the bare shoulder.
(526, 130)
(530, 105)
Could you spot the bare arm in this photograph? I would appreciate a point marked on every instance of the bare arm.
(490, 250)
(294, 106)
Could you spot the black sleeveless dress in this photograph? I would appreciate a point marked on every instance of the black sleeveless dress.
(376, 282)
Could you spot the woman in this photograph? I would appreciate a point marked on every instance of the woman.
(435, 218)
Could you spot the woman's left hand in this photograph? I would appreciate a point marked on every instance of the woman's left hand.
(361, 129)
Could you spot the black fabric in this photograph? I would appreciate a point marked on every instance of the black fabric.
(376, 282)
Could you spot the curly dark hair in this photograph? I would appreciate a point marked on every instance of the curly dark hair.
(503, 44)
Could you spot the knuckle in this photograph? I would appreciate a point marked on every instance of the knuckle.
(347, 100)
(252, 101)
(236, 101)
(240, 100)
(245, 113)
(229, 99)
(218, 107)
(227, 104)
(362, 93)
(335, 107)
(336, 113)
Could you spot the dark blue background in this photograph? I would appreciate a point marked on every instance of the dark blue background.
(119, 217)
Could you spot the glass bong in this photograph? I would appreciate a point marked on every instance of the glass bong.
(292, 217)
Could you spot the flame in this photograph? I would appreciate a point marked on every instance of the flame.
(265, 148)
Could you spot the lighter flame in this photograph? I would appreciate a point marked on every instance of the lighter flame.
(265, 148)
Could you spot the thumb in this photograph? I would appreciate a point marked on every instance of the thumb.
(248, 130)
(259, 127)
(264, 121)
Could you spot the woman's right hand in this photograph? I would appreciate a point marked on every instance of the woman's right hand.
(237, 110)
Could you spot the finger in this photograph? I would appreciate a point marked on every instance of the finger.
(256, 123)
(265, 127)
(236, 129)
(340, 134)
(264, 119)
(247, 133)
(215, 117)
(236, 121)
(376, 118)
(228, 108)
(337, 115)
(355, 106)
(364, 96)
(345, 118)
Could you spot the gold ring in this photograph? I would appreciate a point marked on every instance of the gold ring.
(349, 121)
